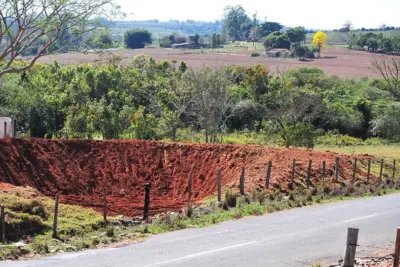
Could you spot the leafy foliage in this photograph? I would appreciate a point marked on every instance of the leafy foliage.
(236, 22)
(276, 40)
(137, 38)
(153, 100)
(320, 41)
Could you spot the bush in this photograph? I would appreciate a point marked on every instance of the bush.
(137, 38)
(230, 198)
(276, 40)
(255, 54)
(387, 124)
(300, 52)
(298, 135)
(189, 210)
(110, 232)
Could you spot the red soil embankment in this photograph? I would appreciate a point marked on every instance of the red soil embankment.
(79, 170)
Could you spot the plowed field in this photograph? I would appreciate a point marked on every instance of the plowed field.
(79, 170)
(340, 62)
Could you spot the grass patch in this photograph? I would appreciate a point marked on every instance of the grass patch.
(30, 220)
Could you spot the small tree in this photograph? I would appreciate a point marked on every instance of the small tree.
(296, 35)
(137, 38)
(300, 51)
(276, 40)
(297, 135)
(320, 41)
(389, 69)
(387, 124)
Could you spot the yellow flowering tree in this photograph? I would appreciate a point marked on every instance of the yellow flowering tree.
(320, 41)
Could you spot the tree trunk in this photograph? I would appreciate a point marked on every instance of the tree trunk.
(173, 134)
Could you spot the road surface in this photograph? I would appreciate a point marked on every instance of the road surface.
(298, 237)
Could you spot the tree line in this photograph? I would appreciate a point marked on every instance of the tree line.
(153, 100)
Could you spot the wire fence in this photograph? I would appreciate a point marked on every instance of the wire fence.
(305, 173)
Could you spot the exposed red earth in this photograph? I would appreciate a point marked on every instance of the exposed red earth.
(79, 170)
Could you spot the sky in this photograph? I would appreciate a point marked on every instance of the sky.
(315, 14)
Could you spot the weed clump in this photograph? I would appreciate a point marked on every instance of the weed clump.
(110, 232)
(230, 198)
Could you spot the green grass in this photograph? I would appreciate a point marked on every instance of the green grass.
(81, 228)
(387, 152)
(78, 228)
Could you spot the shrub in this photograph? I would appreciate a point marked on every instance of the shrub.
(300, 52)
(189, 210)
(297, 135)
(276, 40)
(230, 198)
(137, 38)
(110, 232)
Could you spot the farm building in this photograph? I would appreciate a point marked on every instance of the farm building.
(278, 52)
(7, 127)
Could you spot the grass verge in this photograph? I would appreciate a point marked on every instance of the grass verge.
(30, 220)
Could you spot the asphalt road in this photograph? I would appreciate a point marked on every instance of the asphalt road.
(298, 237)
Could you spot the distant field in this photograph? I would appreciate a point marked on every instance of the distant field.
(334, 37)
(340, 62)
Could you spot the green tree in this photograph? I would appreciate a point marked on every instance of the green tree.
(297, 135)
(276, 40)
(296, 35)
(387, 123)
(137, 38)
(270, 27)
(216, 40)
(300, 51)
(23, 23)
(237, 23)
(102, 41)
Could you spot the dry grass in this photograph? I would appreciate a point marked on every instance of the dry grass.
(387, 152)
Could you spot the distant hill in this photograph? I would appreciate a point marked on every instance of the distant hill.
(159, 28)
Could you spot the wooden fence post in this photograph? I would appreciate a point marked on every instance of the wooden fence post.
(397, 249)
(190, 188)
(381, 171)
(242, 182)
(369, 170)
(146, 202)
(337, 169)
(354, 170)
(394, 169)
(351, 245)
(55, 220)
(105, 205)
(309, 173)
(293, 172)
(323, 170)
(2, 225)
(219, 185)
(268, 174)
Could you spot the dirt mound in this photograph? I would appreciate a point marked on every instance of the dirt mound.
(79, 170)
